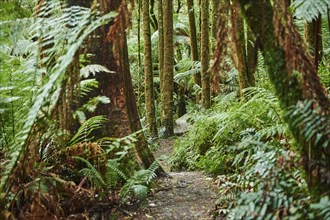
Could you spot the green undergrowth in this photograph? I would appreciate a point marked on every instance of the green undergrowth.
(248, 148)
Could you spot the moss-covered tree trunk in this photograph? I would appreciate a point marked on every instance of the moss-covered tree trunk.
(193, 38)
(215, 18)
(140, 74)
(245, 51)
(168, 84)
(148, 73)
(161, 55)
(293, 73)
(238, 54)
(110, 48)
(205, 54)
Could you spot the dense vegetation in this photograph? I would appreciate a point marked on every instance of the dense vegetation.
(87, 88)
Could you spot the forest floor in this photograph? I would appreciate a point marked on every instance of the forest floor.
(181, 195)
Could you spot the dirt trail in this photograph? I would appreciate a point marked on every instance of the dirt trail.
(183, 195)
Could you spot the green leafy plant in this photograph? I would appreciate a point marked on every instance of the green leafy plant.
(310, 9)
(51, 28)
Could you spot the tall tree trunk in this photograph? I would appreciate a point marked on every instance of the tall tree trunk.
(161, 56)
(140, 74)
(294, 76)
(110, 49)
(193, 41)
(205, 54)
(168, 84)
(239, 55)
(215, 17)
(148, 73)
(313, 36)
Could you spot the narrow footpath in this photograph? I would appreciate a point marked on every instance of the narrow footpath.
(182, 195)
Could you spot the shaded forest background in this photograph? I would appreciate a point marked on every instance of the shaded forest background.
(87, 88)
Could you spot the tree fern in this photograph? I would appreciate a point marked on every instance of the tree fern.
(51, 27)
(310, 9)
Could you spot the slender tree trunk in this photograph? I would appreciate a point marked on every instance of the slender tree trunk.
(193, 41)
(179, 7)
(148, 73)
(154, 22)
(161, 55)
(239, 55)
(168, 85)
(294, 76)
(244, 53)
(205, 54)
(140, 75)
(215, 17)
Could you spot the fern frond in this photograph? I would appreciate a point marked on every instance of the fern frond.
(113, 165)
(312, 124)
(93, 174)
(88, 85)
(87, 128)
(92, 69)
(310, 9)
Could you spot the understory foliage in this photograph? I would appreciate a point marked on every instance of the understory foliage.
(249, 149)
(51, 163)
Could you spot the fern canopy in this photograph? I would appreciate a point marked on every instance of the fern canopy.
(310, 10)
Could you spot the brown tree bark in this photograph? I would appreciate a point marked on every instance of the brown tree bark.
(161, 55)
(110, 49)
(215, 18)
(168, 83)
(205, 55)
(148, 72)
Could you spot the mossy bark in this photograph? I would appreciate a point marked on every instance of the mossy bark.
(148, 72)
(205, 55)
(112, 52)
(215, 18)
(244, 52)
(168, 84)
(161, 55)
(293, 74)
